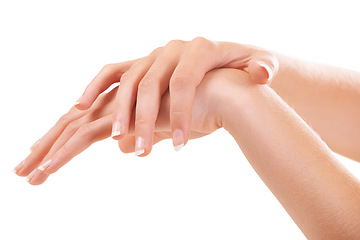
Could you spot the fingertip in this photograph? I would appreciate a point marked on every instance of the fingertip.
(127, 144)
(116, 130)
(23, 169)
(260, 72)
(36, 177)
(18, 168)
(81, 105)
(142, 147)
(178, 139)
(85, 101)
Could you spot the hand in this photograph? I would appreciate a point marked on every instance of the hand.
(77, 130)
(179, 66)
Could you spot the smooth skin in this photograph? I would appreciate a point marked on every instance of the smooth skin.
(179, 66)
(78, 129)
(298, 167)
(327, 98)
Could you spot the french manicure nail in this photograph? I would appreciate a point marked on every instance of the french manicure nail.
(34, 145)
(30, 176)
(178, 139)
(116, 129)
(139, 146)
(77, 102)
(19, 166)
(268, 69)
(178, 147)
(45, 165)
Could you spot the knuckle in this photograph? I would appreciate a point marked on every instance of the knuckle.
(72, 127)
(200, 41)
(175, 43)
(125, 78)
(140, 121)
(156, 51)
(146, 84)
(107, 67)
(65, 150)
(86, 132)
(178, 114)
(64, 120)
(180, 82)
(145, 123)
(203, 43)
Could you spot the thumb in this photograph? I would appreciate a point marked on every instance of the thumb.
(263, 68)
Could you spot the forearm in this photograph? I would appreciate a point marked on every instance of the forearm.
(300, 170)
(327, 98)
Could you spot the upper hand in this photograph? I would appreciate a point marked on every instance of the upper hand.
(179, 66)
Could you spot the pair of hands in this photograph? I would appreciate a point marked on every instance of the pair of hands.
(168, 94)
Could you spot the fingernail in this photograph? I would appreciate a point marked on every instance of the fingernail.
(34, 145)
(178, 139)
(45, 165)
(268, 69)
(139, 146)
(30, 176)
(77, 102)
(178, 147)
(116, 129)
(18, 167)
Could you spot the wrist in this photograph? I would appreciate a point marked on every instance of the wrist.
(229, 96)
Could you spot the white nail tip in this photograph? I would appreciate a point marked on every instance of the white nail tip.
(46, 164)
(178, 147)
(139, 146)
(139, 152)
(115, 133)
(116, 129)
(77, 103)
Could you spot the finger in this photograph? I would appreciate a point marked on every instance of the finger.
(127, 93)
(35, 144)
(127, 144)
(43, 147)
(263, 67)
(186, 77)
(81, 140)
(108, 75)
(68, 132)
(37, 176)
(151, 89)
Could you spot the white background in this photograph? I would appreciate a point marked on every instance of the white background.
(49, 52)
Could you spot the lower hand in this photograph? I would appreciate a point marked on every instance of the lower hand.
(77, 130)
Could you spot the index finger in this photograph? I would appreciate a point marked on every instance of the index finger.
(108, 75)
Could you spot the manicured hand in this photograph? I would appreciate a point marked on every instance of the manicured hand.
(178, 67)
(77, 130)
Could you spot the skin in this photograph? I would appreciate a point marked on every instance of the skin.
(77, 130)
(179, 66)
(298, 167)
(293, 161)
(327, 98)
